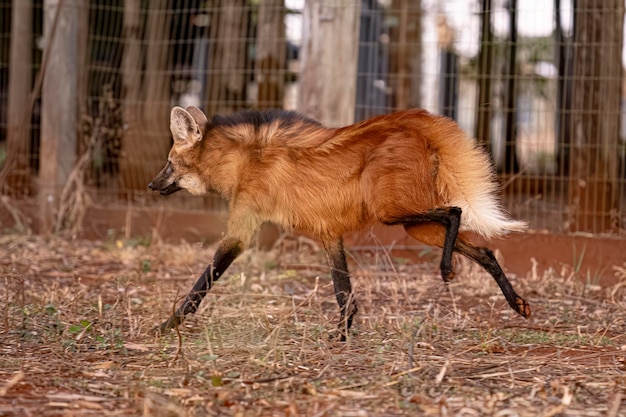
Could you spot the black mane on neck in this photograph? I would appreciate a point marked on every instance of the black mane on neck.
(256, 118)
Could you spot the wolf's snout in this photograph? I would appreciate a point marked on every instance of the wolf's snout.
(164, 189)
(155, 185)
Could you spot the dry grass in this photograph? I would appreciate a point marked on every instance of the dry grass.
(76, 318)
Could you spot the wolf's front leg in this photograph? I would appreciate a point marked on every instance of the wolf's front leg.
(226, 253)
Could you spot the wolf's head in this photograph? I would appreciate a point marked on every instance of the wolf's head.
(182, 170)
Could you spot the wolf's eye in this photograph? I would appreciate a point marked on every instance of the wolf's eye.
(169, 170)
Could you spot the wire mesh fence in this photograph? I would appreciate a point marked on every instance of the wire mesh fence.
(86, 88)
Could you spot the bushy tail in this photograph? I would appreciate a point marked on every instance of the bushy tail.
(466, 180)
(484, 215)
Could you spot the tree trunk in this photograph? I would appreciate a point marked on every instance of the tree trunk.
(17, 166)
(146, 102)
(58, 105)
(270, 77)
(271, 54)
(227, 75)
(329, 60)
(131, 59)
(564, 61)
(156, 84)
(406, 53)
(156, 94)
(511, 163)
(449, 69)
(131, 91)
(593, 184)
(485, 75)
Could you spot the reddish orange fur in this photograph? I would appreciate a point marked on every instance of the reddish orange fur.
(410, 167)
(432, 234)
(326, 182)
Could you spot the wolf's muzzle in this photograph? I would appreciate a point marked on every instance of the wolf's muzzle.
(170, 189)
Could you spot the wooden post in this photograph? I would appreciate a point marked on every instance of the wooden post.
(58, 105)
(406, 53)
(485, 74)
(148, 155)
(146, 106)
(156, 79)
(511, 163)
(270, 76)
(597, 85)
(271, 54)
(132, 99)
(329, 60)
(228, 51)
(20, 80)
(564, 58)
(449, 72)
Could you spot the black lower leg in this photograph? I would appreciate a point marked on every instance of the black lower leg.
(449, 217)
(452, 230)
(343, 288)
(485, 258)
(226, 253)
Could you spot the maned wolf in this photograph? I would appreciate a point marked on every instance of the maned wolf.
(411, 168)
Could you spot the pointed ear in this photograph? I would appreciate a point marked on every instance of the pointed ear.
(199, 117)
(184, 128)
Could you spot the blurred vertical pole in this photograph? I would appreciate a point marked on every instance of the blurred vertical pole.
(131, 59)
(564, 90)
(271, 54)
(131, 91)
(58, 105)
(228, 74)
(146, 92)
(17, 179)
(406, 53)
(82, 75)
(156, 82)
(329, 60)
(155, 94)
(449, 73)
(372, 70)
(485, 73)
(415, 53)
(596, 105)
(511, 164)
(271, 58)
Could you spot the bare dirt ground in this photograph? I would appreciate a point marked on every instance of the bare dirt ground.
(76, 317)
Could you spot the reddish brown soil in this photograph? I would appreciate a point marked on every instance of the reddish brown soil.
(76, 330)
(592, 257)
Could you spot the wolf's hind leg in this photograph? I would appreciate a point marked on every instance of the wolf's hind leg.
(485, 258)
(429, 228)
(440, 228)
